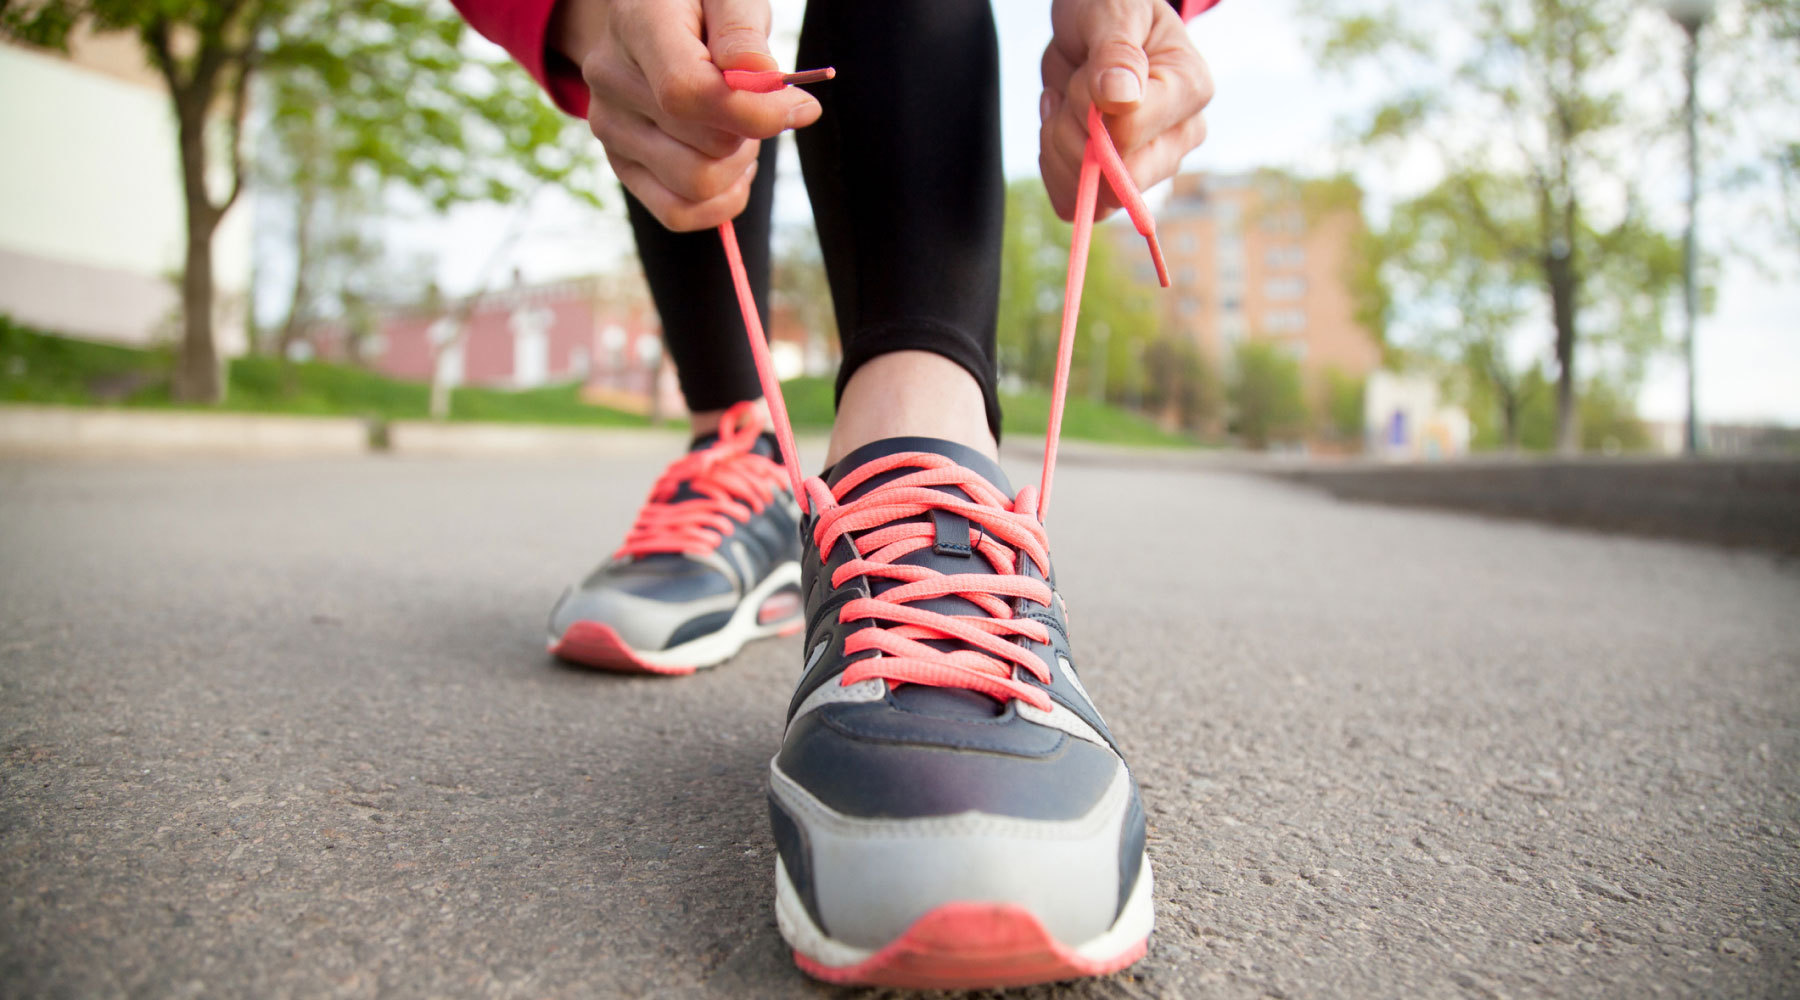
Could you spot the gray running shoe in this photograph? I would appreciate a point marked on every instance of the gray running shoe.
(949, 809)
(710, 565)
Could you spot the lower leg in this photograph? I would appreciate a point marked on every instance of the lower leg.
(904, 174)
(703, 330)
(911, 394)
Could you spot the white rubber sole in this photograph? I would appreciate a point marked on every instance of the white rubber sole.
(822, 956)
(715, 648)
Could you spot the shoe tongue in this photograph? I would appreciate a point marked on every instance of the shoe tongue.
(962, 455)
(952, 530)
(766, 446)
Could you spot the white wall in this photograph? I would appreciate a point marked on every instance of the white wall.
(91, 216)
(1429, 429)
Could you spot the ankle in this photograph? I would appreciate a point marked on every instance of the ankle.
(911, 394)
(704, 422)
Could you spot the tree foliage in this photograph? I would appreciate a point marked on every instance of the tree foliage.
(1465, 296)
(1525, 104)
(1119, 319)
(1751, 128)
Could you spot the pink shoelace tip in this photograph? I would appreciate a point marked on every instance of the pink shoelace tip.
(767, 81)
(1002, 529)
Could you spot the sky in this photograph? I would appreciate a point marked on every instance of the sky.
(1272, 109)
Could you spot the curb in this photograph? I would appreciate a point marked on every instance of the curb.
(447, 440)
(75, 431)
(38, 431)
(1751, 503)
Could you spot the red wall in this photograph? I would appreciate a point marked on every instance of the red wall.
(576, 322)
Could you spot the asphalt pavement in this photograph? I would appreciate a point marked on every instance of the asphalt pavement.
(287, 728)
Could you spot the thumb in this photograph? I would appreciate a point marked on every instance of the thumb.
(737, 33)
(1117, 66)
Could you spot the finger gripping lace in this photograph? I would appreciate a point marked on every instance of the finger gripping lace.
(726, 484)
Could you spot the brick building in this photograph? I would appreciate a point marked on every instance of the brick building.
(1263, 255)
(601, 331)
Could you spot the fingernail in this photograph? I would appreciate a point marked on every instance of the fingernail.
(1120, 86)
(1044, 108)
(798, 114)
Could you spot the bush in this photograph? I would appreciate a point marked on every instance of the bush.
(1343, 418)
(1181, 382)
(1267, 398)
(1609, 420)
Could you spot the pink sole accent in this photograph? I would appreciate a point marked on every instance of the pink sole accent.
(592, 644)
(972, 946)
(777, 607)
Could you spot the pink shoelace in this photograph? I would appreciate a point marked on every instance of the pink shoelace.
(727, 482)
(1002, 529)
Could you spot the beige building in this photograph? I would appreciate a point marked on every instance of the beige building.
(1265, 256)
(91, 215)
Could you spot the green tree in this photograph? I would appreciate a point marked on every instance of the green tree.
(1343, 416)
(1118, 308)
(1546, 175)
(1609, 422)
(1034, 256)
(1268, 399)
(1750, 117)
(385, 88)
(1465, 295)
(1465, 298)
(1180, 385)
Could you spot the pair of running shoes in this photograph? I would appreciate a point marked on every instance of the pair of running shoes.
(949, 808)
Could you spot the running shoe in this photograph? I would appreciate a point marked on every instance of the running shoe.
(949, 808)
(710, 564)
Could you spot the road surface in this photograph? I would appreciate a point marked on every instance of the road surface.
(287, 728)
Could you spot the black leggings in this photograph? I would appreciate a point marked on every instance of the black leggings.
(903, 171)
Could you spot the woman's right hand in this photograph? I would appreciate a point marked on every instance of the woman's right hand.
(677, 136)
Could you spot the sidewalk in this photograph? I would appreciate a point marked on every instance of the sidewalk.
(70, 431)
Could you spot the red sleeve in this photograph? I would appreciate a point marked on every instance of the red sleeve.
(1191, 9)
(520, 27)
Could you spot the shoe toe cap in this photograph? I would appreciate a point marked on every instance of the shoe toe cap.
(864, 881)
(878, 833)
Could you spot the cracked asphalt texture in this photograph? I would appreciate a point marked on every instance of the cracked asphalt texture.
(287, 728)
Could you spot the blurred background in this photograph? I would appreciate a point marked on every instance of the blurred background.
(1416, 231)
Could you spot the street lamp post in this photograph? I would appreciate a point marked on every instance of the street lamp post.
(1692, 15)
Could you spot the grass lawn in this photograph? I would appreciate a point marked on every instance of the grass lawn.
(40, 368)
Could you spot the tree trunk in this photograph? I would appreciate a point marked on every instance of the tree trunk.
(1561, 271)
(441, 387)
(303, 264)
(440, 396)
(198, 377)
